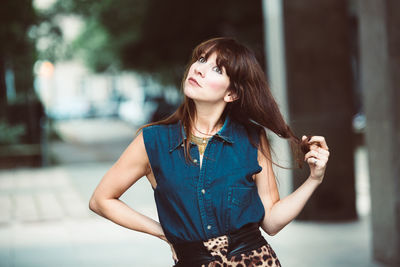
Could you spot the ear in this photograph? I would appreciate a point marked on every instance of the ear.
(230, 97)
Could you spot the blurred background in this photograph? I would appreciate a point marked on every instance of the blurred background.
(78, 77)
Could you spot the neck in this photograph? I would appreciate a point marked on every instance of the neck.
(207, 118)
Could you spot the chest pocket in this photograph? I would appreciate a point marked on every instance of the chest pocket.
(240, 196)
(243, 203)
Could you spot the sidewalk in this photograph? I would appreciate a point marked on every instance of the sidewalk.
(49, 224)
(45, 220)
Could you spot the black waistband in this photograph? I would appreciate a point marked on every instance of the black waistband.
(245, 239)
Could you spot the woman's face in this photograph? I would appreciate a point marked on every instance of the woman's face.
(206, 81)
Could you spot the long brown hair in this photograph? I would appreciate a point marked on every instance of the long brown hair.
(255, 107)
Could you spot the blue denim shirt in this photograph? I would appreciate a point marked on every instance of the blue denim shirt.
(196, 203)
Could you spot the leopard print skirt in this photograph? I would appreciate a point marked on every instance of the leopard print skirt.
(218, 247)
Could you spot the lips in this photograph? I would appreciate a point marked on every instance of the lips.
(193, 81)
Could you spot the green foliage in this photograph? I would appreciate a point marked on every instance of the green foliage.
(49, 32)
(20, 111)
(15, 17)
(109, 26)
(95, 47)
(17, 51)
(157, 36)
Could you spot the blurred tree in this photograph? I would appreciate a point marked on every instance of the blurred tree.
(20, 109)
(17, 52)
(156, 36)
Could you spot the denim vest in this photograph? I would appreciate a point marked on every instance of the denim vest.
(196, 203)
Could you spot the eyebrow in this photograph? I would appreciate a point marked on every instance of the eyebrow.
(204, 54)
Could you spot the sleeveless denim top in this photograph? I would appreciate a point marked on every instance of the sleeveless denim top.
(196, 203)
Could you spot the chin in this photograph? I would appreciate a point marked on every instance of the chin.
(188, 91)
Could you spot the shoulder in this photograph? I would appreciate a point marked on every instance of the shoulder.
(160, 134)
(160, 126)
(251, 132)
(157, 128)
(154, 128)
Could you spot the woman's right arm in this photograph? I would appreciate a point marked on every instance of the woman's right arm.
(130, 167)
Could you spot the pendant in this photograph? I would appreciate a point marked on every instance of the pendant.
(201, 149)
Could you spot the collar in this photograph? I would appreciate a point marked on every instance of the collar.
(177, 133)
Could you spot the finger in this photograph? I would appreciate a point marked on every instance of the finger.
(320, 157)
(311, 153)
(174, 255)
(322, 151)
(322, 161)
(312, 161)
(323, 158)
(316, 154)
(317, 148)
(320, 140)
(314, 145)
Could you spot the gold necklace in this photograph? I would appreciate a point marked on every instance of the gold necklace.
(201, 142)
(219, 126)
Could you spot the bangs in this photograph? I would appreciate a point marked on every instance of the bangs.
(226, 50)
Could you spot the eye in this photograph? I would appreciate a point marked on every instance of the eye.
(202, 59)
(217, 69)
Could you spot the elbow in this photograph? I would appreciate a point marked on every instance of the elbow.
(272, 233)
(270, 230)
(98, 204)
(93, 205)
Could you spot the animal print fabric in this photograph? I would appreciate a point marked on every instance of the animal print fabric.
(218, 246)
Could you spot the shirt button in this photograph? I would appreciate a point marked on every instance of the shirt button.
(195, 160)
(203, 191)
(208, 227)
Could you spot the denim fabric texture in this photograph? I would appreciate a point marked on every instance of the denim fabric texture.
(196, 203)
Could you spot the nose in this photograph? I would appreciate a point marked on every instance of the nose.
(199, 69)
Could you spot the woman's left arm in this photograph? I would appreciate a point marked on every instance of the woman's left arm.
(280, 212)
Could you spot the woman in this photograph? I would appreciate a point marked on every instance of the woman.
(210, 165)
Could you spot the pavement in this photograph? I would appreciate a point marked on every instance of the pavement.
(45, 220)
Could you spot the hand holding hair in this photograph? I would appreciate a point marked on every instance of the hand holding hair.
(316, 155)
